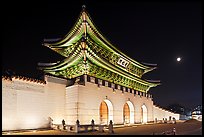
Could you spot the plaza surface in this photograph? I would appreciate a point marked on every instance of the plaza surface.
(190, 127)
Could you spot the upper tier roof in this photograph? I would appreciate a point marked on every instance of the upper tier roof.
(87, 51)
(84, 27)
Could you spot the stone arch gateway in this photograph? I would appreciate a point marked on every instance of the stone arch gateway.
(128, 113)
(143, 114)
(106, 112)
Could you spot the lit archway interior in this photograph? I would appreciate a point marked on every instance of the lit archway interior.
(106, 112)
(144, 114)
(126, 114)
(129, 105)
(103, 113)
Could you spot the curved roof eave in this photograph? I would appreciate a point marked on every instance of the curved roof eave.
(102, 40)
(108, 45)
(64, 63)
(110, 67)
(68, 35)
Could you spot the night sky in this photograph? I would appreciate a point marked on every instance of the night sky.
(150, 32)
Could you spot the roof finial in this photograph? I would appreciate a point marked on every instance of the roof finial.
(83, 7)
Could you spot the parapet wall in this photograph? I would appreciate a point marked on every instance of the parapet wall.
(27, 103)
(160, 114)
(23, 104)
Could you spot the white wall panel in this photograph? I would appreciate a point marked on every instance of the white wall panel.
(27, 104)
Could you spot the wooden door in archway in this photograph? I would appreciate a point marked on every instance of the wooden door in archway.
(126, 114)
(104, 113)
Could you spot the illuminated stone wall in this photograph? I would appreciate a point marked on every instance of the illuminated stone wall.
(160, 113)
(9, 105)
(83, 103)
(23, 105)
(89, 97)
(55, 98)
(27, 104)
(71, 104)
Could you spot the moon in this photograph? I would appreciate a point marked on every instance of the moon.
(178, 59)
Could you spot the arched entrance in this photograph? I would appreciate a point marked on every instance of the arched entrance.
(103, 113)
(106, 112)
(144, 114)
(128, 113)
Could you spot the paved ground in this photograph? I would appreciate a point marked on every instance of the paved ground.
(191, 127)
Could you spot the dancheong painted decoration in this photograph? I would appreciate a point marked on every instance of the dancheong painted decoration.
(87, 52)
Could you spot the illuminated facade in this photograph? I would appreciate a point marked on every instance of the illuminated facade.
(94, 81)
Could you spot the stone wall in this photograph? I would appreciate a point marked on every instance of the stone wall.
(27, 104)
(89, 97)
(55, 98)
(161, 114)
(23, 105)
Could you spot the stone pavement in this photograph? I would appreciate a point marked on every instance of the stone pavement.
(182, 128)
